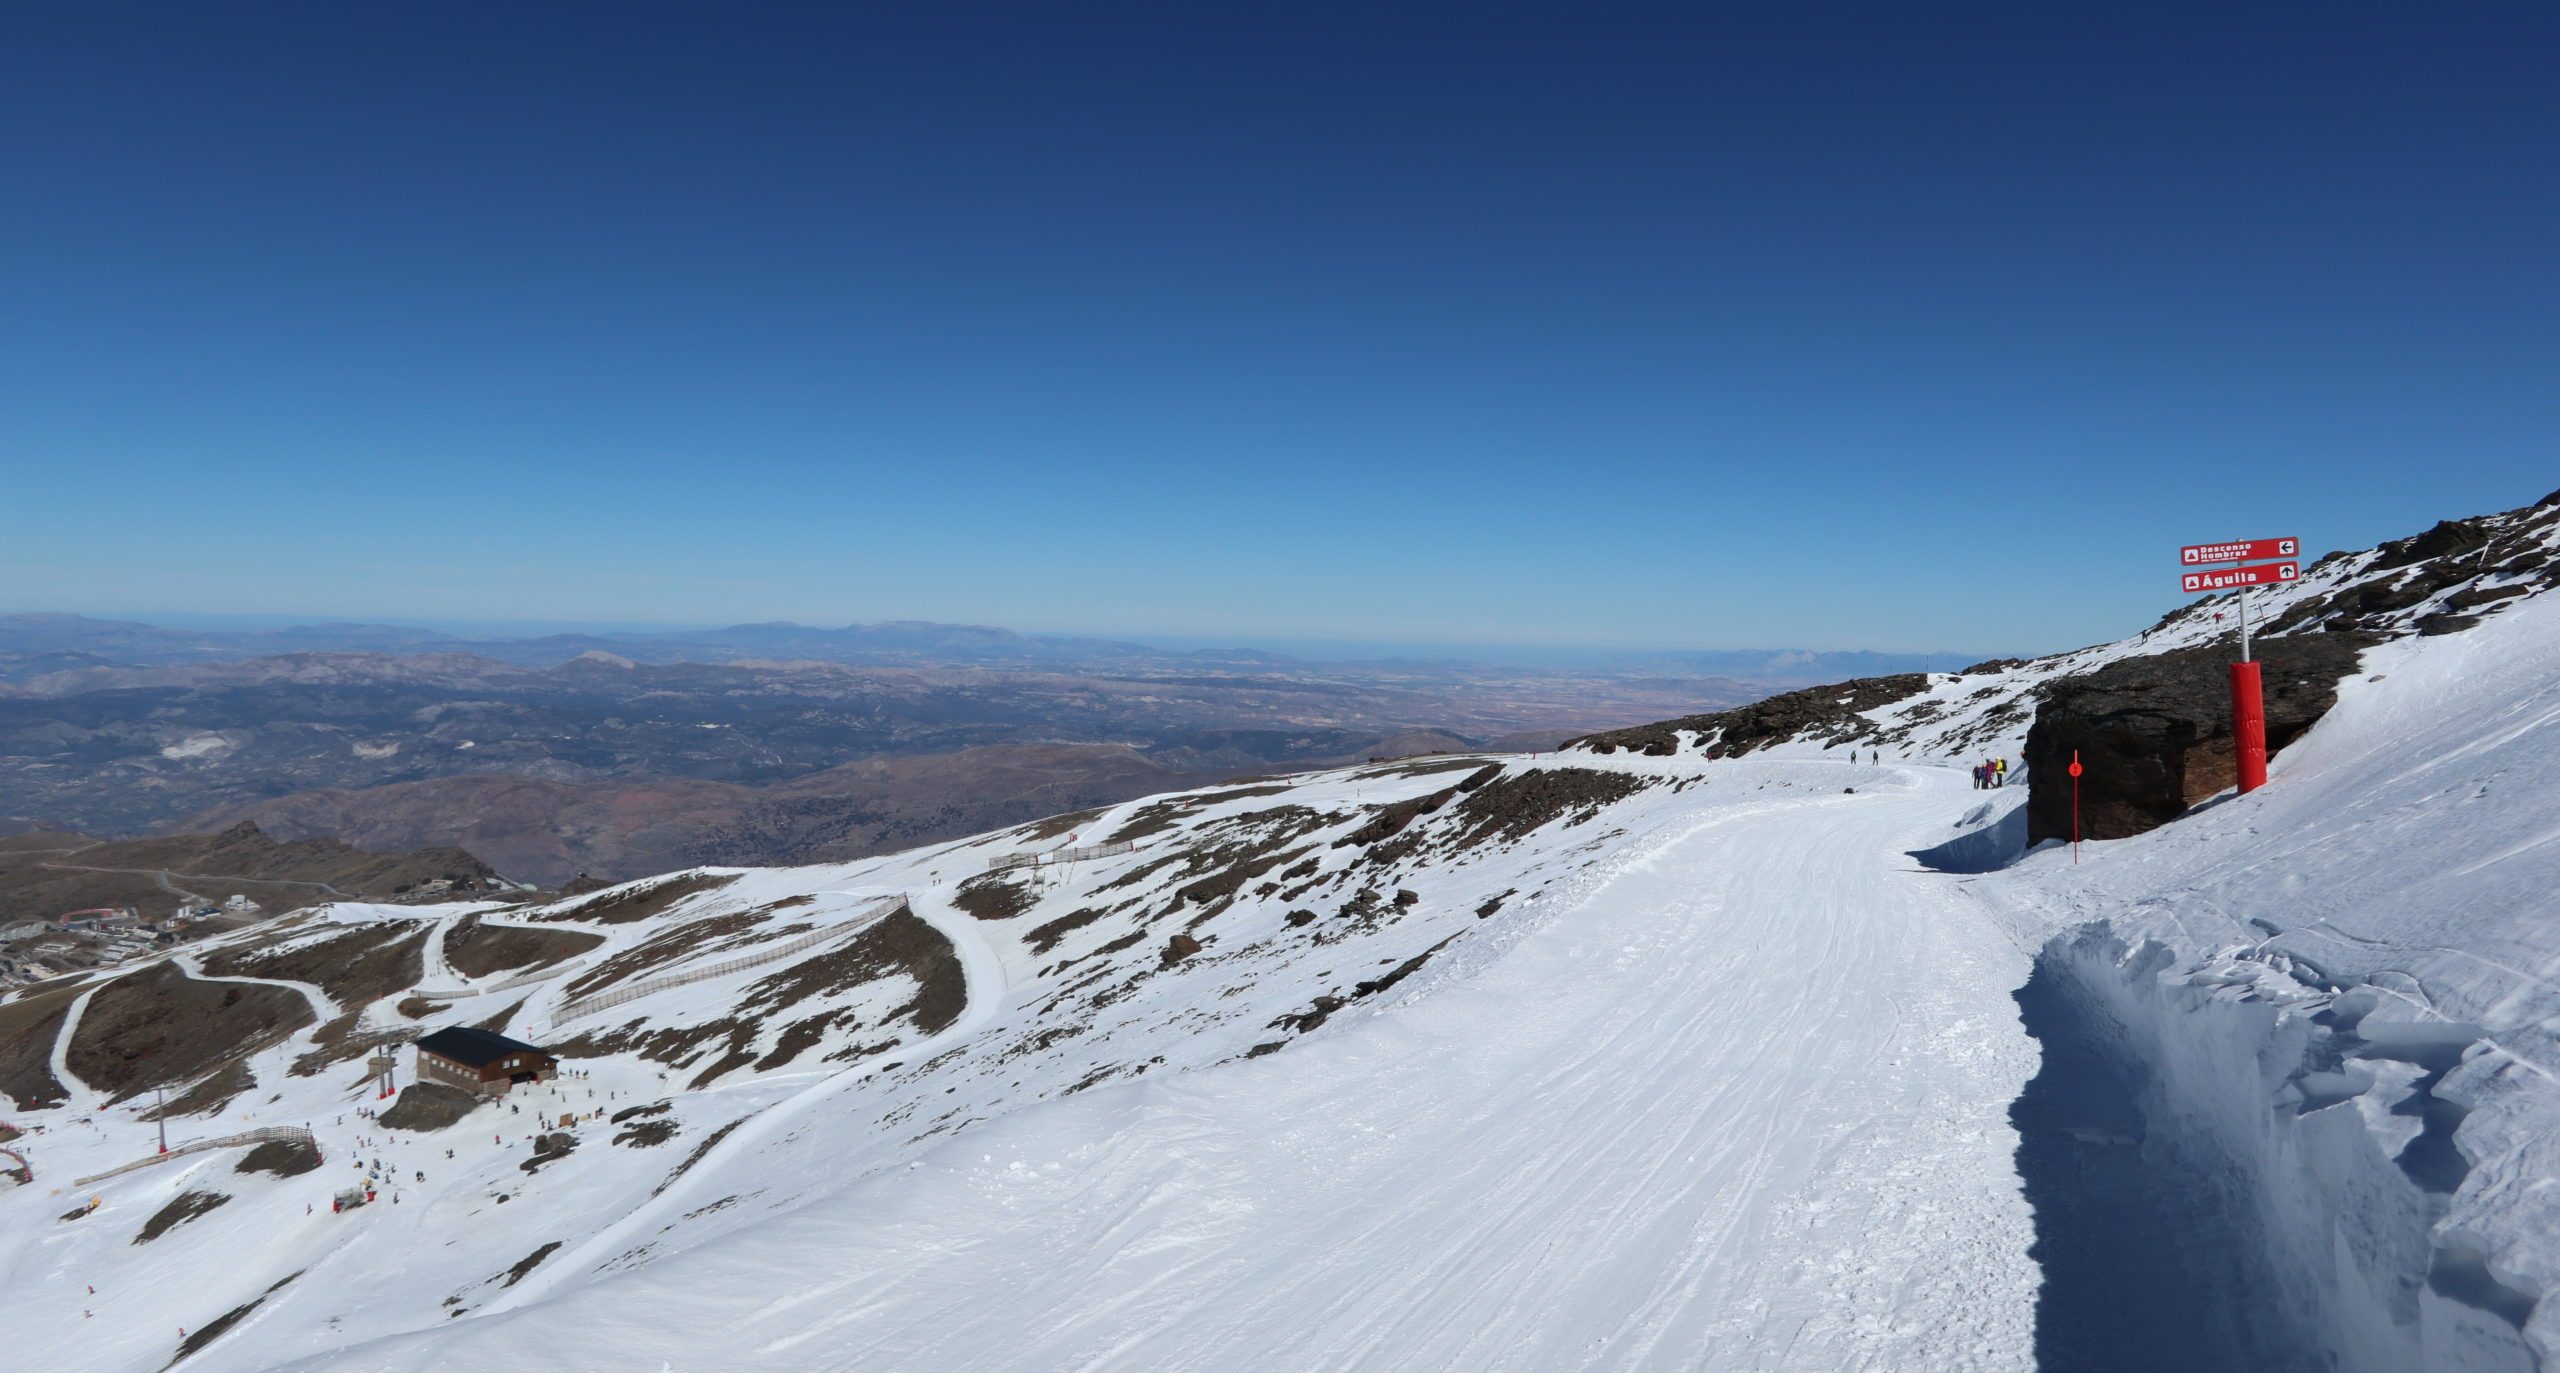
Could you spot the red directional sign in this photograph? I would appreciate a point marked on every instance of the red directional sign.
(2198, 554)
(2225, 579)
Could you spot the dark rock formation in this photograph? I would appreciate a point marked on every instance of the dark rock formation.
(2154, 733)
(430, 1106)
(1178, 948)
(284, 1158)
(1825, 712)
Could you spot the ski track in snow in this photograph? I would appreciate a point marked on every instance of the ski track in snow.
(1743, 1108)
(324, 1008)
(84, 1098)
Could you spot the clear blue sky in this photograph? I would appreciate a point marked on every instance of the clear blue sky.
(1891, 326)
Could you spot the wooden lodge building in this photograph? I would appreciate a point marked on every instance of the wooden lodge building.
(481, 1061)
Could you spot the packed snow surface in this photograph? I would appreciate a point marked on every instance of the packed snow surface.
(1739, 1099)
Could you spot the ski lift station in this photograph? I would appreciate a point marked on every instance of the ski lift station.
(482, 1061)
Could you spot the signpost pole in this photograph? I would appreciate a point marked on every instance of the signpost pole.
(2248, 700)
(2248, 714)
(2244, 624)
(2075, 807)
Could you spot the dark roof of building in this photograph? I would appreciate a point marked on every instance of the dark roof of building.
(475, 1048)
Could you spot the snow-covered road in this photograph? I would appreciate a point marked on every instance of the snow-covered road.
(1739, 1103)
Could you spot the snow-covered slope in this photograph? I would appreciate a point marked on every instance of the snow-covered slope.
(1600, 1060)
(895, 1044)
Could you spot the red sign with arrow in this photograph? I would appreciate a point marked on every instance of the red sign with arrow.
(2226, 578)
(2247, 551)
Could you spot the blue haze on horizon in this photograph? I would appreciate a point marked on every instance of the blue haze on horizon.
(1825, 326)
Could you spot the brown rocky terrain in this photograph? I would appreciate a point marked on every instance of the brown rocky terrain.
(51, 872)
(1821, 712)
(162, 1027)
(549, 831)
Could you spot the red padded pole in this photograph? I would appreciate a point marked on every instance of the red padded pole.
(2248, 726)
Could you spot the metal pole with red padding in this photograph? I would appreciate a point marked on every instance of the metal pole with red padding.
(2248, 701)
(2248, 726)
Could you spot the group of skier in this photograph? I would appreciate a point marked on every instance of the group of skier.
(1990, 773)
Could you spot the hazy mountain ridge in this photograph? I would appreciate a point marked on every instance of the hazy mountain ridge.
(130, 750)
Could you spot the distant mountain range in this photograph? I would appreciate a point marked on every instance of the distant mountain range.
(33, 644)
(629, 753)
(38, 644)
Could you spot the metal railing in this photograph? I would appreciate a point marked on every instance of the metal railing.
(1041, 860)
(587, 1005)
(271, 1132)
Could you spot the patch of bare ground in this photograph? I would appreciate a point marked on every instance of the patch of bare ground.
(498, 1020)
(1104, 952)
(220, 1325)
(1393, 819)
(1244, 793)
(208, 1095)
(899, 945)
(1425, 767)
(28, 1027)
(1365, 911)
(185, 1207)
(712, 934)
(364, 965)
(477, 948)
(1142, 872)
(1057, 825)
(284, 1158)
(528, 1263)
(162, 1027)
(647, 1133)
(426, 1106)
(1834, 713)
(1235, 852)
(1154, 818)
(343, 1039)
(640, 900)
(1324, 1007)
(992, 896)
(1511, 808)
(419, 1007)
(1044, 937)
(549, 1149)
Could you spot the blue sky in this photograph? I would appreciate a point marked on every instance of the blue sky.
(1880, 326)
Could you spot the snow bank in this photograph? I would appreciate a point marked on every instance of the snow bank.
(2339, 991)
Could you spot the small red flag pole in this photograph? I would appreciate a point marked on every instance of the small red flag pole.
(2075, 807)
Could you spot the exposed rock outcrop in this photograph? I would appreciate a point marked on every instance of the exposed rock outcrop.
(2154, 733)
(1831, 713)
